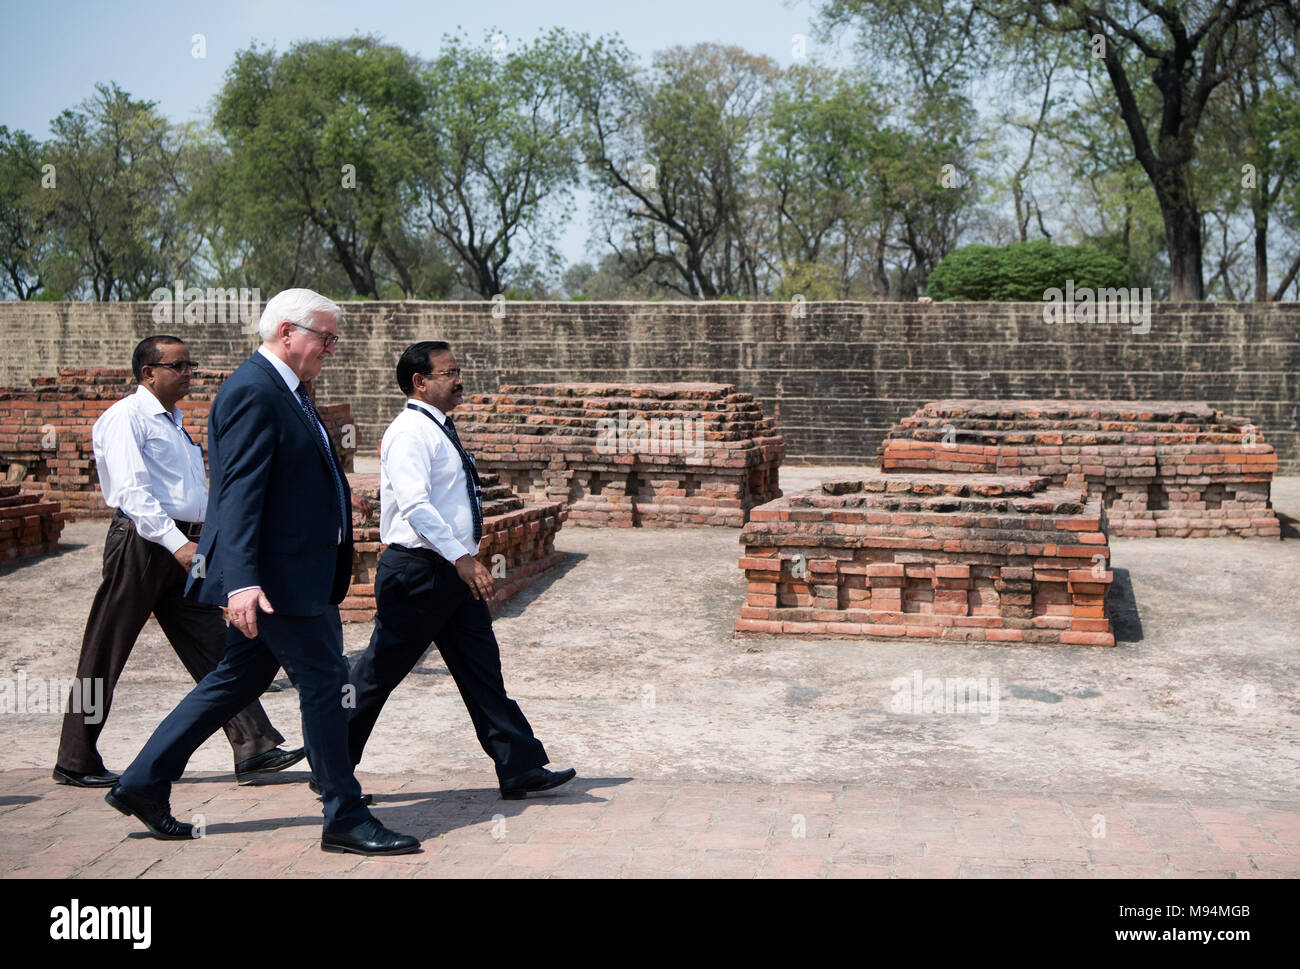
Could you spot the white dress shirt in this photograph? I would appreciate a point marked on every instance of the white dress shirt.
(423, 496)
(149, 469)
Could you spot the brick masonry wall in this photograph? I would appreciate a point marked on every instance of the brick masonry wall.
(1168, 469)
(835, 380)
(29, 523)
(521, 533)
(958, 557)
(629, 454)
(45, 431)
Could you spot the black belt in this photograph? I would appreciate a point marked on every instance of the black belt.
(424, 553)
(191, 530)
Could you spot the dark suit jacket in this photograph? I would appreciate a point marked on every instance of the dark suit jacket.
(273, 516)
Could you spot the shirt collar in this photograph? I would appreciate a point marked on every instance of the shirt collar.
(441, 417)
(283, 369)
(152, 405)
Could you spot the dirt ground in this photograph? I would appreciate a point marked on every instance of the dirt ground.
(624, 660)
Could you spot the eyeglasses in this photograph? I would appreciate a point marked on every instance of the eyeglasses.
(329, 339)
(180, 366)
(453, 373)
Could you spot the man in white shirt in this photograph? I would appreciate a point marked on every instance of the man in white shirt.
(152, 473)
(429, 587)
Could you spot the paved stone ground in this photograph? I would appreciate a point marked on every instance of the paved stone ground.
(697, 751)
(611, 827)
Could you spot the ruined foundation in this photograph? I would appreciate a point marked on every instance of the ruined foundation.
(1161, 468)
(29, 524)
(629, 454)
(990, 558)
(45, 431)
(518, 544)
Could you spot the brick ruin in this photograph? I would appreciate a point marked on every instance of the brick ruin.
(524, 533)
(45, 431)
(1161, 468)
(629, 454)
(995, 558)
(29, 524)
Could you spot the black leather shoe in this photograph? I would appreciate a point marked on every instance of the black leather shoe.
(537, 779)
(64, 776)
(246, 771)
(365, 798)
(156, 817)
(370, 838)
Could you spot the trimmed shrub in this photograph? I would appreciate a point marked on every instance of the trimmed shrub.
(1021, 272)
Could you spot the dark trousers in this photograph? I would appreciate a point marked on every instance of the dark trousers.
(141, 577)
(420, 598)
(310, 648)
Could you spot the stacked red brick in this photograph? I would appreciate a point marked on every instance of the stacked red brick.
(45, 430)
(29, 523)
(630, 454)
(943, 556)
(1161, 468)
(522, 534)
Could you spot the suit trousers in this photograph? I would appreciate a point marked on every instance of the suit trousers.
(141, 577)
(421, 599)
(310, 648)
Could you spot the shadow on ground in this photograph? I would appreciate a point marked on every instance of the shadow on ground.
(1122, 608)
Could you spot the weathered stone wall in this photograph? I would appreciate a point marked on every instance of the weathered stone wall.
(835, 380)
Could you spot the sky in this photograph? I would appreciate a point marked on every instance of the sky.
(53, 54)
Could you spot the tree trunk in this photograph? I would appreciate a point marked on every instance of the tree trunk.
(1261, 256)
(1183, 228)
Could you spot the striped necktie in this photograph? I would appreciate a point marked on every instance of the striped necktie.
(310, 408)
(472, 484)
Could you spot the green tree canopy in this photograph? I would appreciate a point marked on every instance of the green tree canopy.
(326, 138)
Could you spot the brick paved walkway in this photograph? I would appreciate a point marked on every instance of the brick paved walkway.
(642, 828)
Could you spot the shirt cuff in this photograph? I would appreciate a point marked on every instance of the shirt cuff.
(244, 589)
(451, 550)
(172, 539)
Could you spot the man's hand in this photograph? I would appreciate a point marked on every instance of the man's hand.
(242, 608)
(364, 508)
(185, 554)
(474, 575)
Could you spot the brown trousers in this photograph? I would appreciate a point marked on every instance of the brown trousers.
(141, 577)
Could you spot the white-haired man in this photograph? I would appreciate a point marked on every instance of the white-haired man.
(276, 550)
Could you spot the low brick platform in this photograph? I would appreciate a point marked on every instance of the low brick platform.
(629, 454)
(29, 523)
(45, 430)
(1161, 468)
(946, 556)
(524, 533)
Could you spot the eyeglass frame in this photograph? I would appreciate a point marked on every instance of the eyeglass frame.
(329, 340)
(176, 366)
